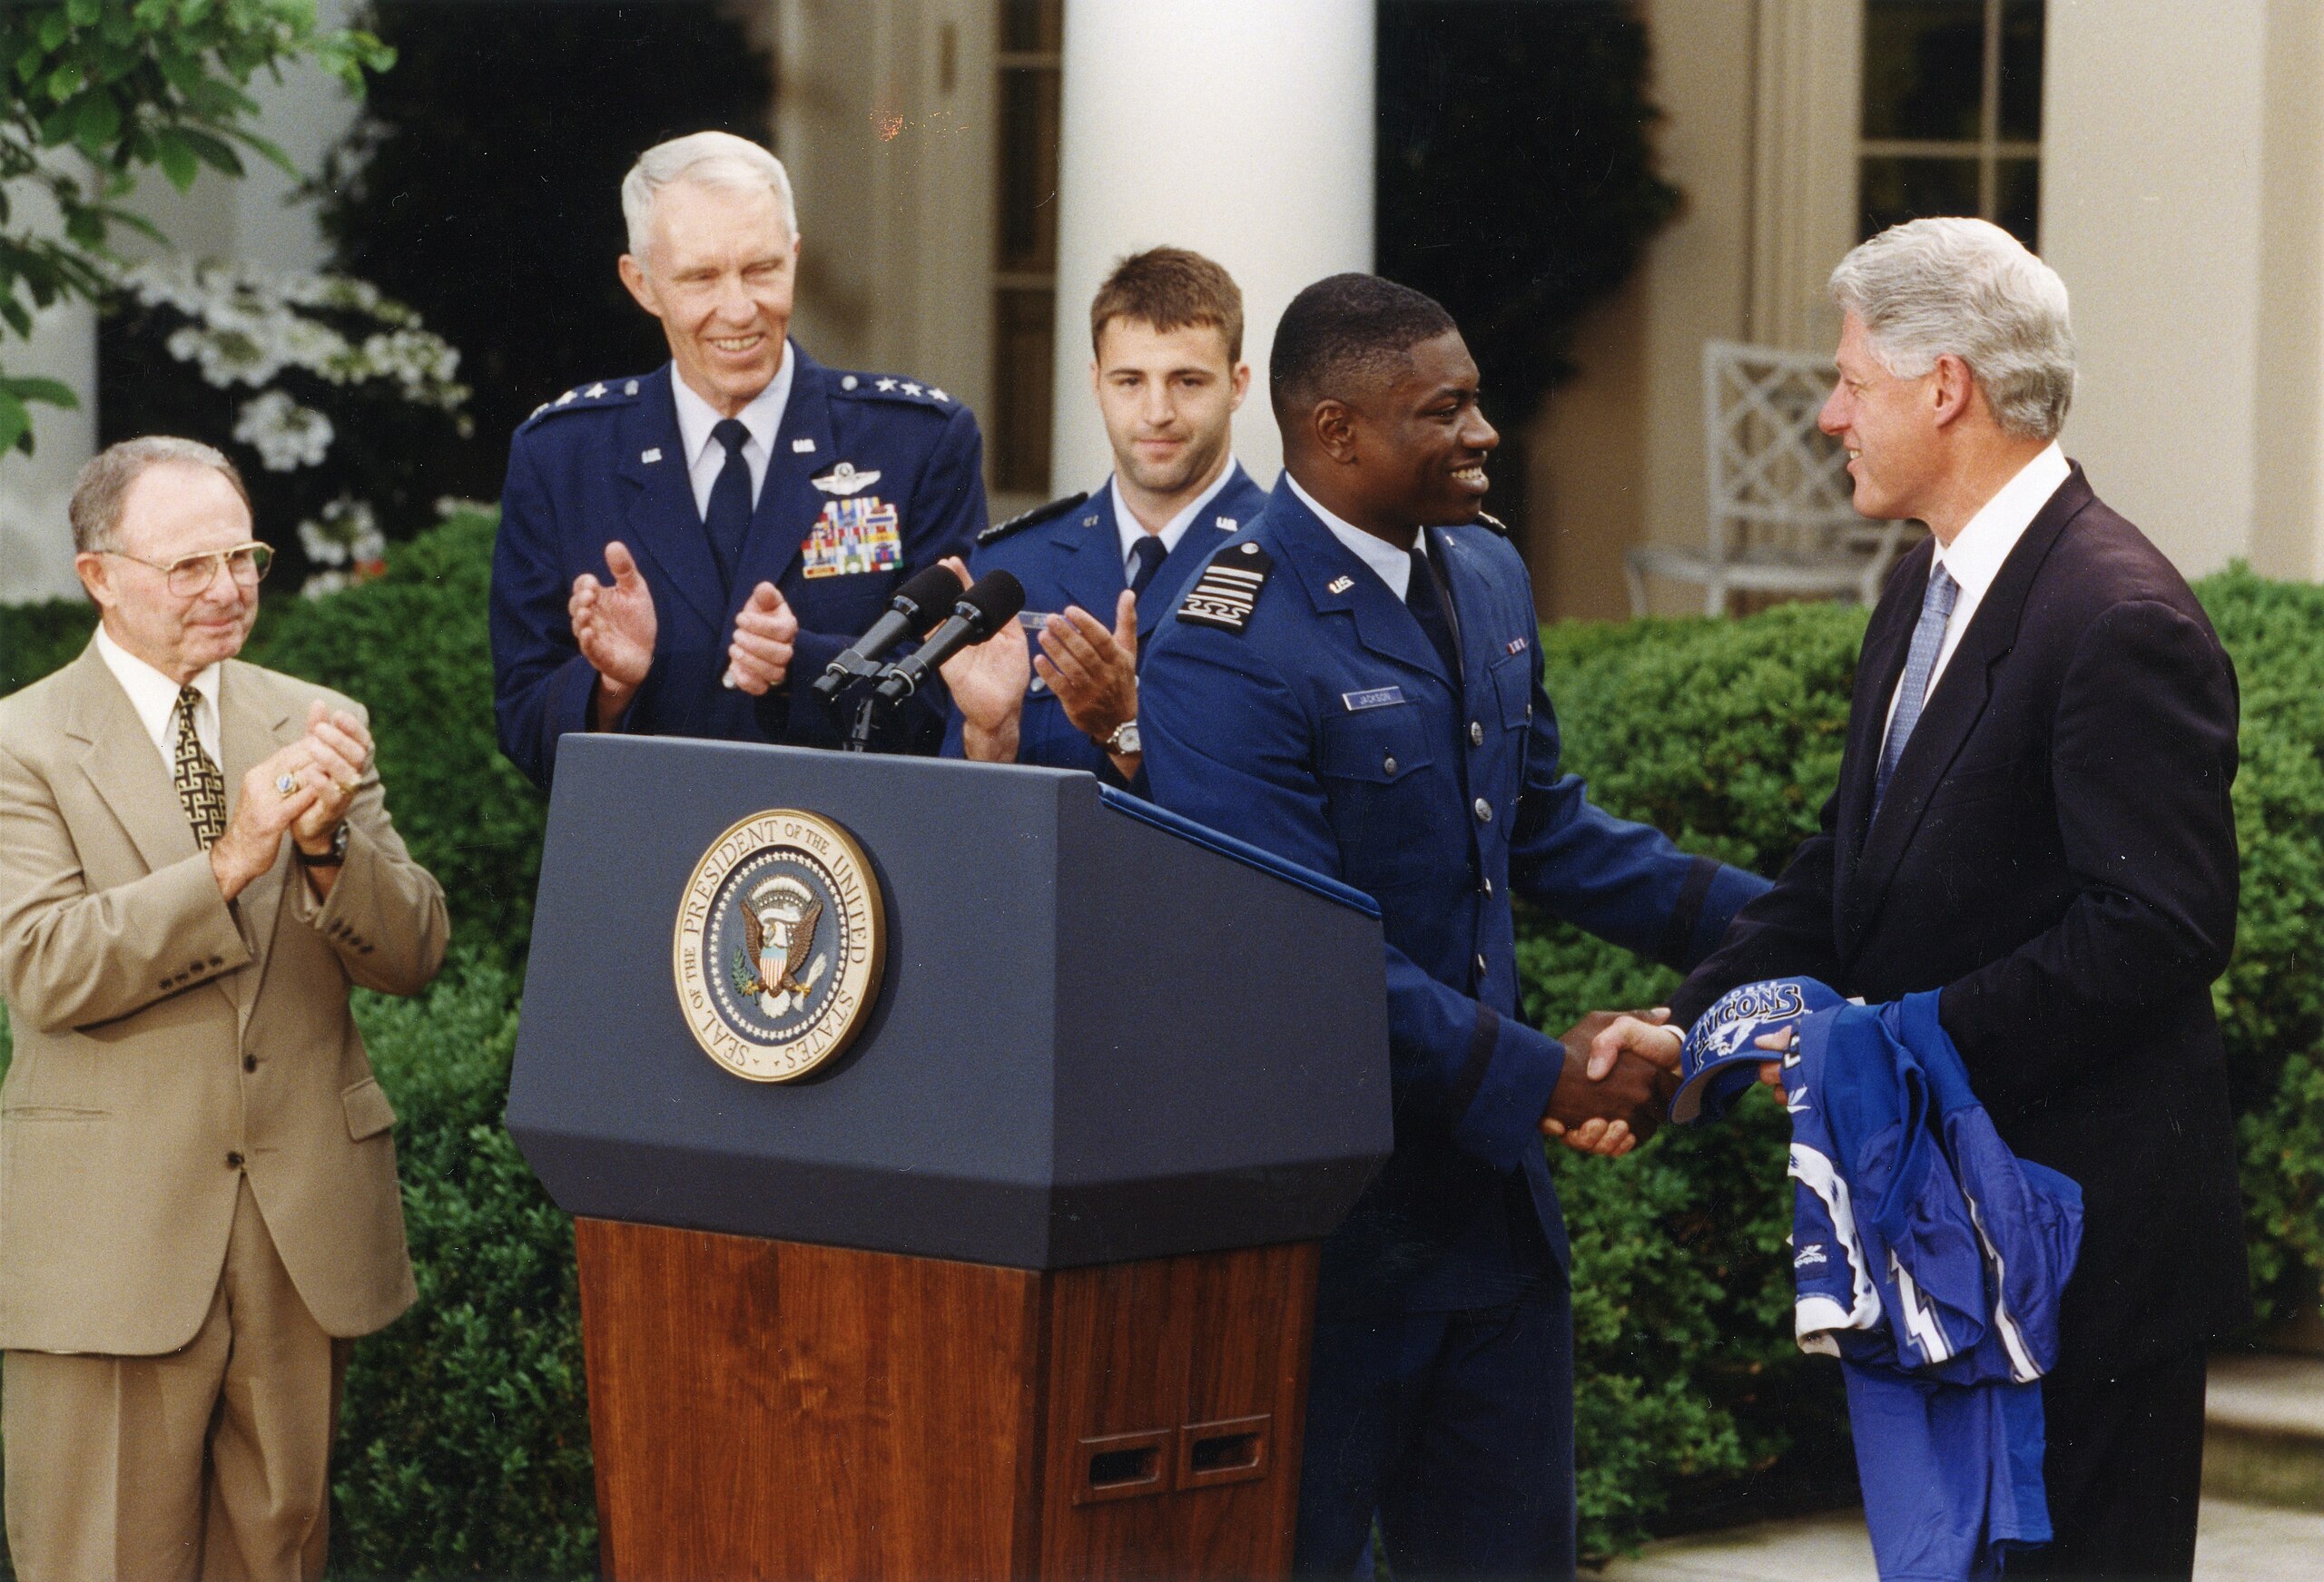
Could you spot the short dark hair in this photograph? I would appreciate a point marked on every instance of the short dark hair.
(1170, 287)
(1348, 328)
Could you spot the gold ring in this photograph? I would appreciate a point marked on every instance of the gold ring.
(287, 785)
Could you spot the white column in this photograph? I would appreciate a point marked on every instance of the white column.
(1242, 129)
(2153, 210)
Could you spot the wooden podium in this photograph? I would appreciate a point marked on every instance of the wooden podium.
(1019, 1286)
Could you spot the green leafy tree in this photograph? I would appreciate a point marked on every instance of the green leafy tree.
(101, 91)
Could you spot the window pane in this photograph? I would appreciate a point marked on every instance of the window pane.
(1032, 25)
(1025, 336)
(1028, 131)
(1897, 188)
(2021, 70)
(2017, 198)
(1923, 68)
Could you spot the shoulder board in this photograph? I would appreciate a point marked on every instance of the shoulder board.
(891, 387)
(1228, 589)
(586, 398)
(1487, 520)
(1032, 519)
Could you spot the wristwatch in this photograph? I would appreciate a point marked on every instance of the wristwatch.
(331, 856)
(1124, 740)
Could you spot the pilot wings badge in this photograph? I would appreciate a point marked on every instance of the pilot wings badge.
(780, 943)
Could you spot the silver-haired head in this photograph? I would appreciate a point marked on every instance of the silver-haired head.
(1932, 286)
(715, 159)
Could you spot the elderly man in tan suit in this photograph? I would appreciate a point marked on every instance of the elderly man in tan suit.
(197, 1201)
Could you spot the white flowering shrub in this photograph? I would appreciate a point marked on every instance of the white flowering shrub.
(332, 395)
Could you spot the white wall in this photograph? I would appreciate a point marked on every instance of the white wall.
(2154, 210)
(1242, 129)
(303, 114)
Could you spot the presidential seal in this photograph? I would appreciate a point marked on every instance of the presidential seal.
(780, 941)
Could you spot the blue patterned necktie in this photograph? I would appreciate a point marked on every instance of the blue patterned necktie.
(1150, 554)
(728, 519)
(1928, 637)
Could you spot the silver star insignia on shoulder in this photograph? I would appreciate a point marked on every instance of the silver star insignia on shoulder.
(935, 393)
(802, 446)
(1339, 585)
(910, 389)
(885, 385)
(594, 392)
(650, 456)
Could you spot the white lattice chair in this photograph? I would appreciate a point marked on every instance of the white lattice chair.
(1780, 520)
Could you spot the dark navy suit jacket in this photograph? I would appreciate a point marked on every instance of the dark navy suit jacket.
(1327, 731)
(603, 462)
(2057, 855)
(1070, 553)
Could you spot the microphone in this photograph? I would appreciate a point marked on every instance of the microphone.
(922, 594)
(983, 610)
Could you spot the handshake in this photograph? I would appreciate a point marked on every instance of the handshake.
(1621, 1068)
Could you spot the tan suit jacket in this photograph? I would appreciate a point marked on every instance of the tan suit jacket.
(161, 1033)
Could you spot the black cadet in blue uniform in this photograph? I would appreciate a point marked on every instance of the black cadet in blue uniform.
(1167, 371)
(1366, 699)
(682, 551)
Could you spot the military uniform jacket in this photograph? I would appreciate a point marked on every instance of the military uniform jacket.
(170, 1046)
(1070, 553)
(872, 478)
(1320, 724)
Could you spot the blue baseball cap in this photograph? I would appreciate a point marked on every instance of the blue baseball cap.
(1720, 1058)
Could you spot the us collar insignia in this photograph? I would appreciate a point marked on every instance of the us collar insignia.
(843, 479)
(1339, 585)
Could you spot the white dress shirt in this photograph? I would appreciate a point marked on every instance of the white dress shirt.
(154, 696)
(705, 458)
(1975, 557)
(1392, 564)
(1131, 529)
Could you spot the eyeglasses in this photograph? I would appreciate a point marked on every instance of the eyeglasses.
(189, 574)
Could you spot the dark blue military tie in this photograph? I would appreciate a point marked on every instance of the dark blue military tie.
(1150, 554)
(1425, 599)
(728, 519)
(1928, 636)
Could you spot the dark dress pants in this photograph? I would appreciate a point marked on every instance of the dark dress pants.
(2124, 1472)
(1456, 1428)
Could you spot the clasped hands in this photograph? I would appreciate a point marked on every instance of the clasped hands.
(302, 790)
(614, 625)
(1617, 1053)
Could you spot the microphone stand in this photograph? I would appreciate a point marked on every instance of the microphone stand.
(867, 713)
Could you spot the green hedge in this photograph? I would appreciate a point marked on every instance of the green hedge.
(464, 1448)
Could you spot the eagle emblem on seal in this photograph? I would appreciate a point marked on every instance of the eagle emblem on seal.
(779, 921)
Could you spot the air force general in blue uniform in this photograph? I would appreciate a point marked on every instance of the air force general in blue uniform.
(1295, 701)
(1085, 550)
(859, 481)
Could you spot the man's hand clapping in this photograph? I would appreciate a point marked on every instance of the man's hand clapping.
(615, 628)
(766, 632)
(321, 770)
(1092, 671)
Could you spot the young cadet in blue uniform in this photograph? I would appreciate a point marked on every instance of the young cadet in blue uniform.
(752, 510)
(1364, 696)
(1166, 338)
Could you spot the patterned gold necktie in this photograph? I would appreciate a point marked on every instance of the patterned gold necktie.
(201, 790)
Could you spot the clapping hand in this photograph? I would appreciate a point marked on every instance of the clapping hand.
(766, 630)
(613, 628)
(1092, 671)
(987, 686)
(339, 755)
